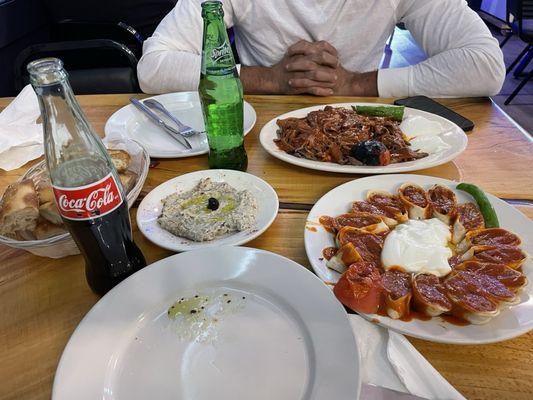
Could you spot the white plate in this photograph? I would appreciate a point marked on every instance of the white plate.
(150, 208)
(290, 339)
(452, 135)
(512, 322)
(130, 122)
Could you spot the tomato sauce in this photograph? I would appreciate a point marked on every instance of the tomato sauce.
(329, 252)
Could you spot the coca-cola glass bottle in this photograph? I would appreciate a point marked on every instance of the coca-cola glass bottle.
(87, 189)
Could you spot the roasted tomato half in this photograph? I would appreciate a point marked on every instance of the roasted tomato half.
(359, 288)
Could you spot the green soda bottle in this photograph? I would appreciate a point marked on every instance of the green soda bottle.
(220, 92)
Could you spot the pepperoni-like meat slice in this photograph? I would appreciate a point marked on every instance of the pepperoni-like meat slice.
(491, 237)
(494, 289)
(454, 261)
(429, 295)
(367, 244)
(415, 200)
(366, 221)
(512, 256)
(512, 279)
(468, 218)
(327, 223)
(469, 301)
(365, 207)
(343, 258)
(397, 287)
(359, 288)
(329, 252)
(391, 206)
(443, 202)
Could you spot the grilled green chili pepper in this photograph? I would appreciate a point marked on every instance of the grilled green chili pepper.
(394, 112)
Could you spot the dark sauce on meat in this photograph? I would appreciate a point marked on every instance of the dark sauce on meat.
(415, 195)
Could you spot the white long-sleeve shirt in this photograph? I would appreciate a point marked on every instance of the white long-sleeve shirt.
(463, 57)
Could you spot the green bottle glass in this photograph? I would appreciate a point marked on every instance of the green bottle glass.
(220, 92)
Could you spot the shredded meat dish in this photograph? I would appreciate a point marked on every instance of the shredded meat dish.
(330, 135)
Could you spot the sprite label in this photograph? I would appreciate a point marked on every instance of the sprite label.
(221, 53)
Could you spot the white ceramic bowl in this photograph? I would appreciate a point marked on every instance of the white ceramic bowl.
(63, 245)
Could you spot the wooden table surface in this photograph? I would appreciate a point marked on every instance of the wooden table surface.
(42, 300)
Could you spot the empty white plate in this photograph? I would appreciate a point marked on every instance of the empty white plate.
(151, 206)
(130, 122)
(288, 339)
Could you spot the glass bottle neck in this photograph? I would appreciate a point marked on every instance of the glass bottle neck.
(69, 140)
(217, 56)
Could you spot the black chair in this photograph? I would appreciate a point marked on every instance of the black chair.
(143, 15)
(523, 12)
(94, 66)
(120, 32)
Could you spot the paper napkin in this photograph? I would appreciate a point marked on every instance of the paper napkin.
(389, 360)
(21, 137)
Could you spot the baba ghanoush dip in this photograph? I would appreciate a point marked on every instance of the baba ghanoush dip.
(208, 211)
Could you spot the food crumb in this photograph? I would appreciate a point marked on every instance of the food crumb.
(193, 311)
(374, 321)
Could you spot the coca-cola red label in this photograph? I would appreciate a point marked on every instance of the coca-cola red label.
(89, 201)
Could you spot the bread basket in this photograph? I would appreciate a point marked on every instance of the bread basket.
(63, 245)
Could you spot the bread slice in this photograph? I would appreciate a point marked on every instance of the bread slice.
(121, 159)
(46, 194)
(19, 209)
(46, 230)
(50, 212)
(128, 180)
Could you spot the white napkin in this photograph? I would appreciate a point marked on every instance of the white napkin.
(389, 360)
(21, 137)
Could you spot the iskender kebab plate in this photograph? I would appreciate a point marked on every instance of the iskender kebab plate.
(418, 255)
(359, 138)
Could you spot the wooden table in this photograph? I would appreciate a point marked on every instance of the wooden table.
(42, 300)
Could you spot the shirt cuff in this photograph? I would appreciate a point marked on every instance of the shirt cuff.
(393, 82)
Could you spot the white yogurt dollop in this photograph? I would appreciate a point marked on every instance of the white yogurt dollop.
(429, 144)
(423, 134)
(419, 246)
(416, 125)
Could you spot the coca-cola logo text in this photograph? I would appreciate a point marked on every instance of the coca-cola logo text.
(89, 201)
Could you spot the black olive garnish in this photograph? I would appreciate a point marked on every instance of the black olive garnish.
(212, 204)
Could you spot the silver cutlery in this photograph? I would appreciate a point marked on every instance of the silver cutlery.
(371, 392)
(185, 130)
(176, 135)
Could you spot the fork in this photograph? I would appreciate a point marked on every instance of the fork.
(183, 129)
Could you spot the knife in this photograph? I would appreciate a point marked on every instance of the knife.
(371, 392)
(158, 121)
